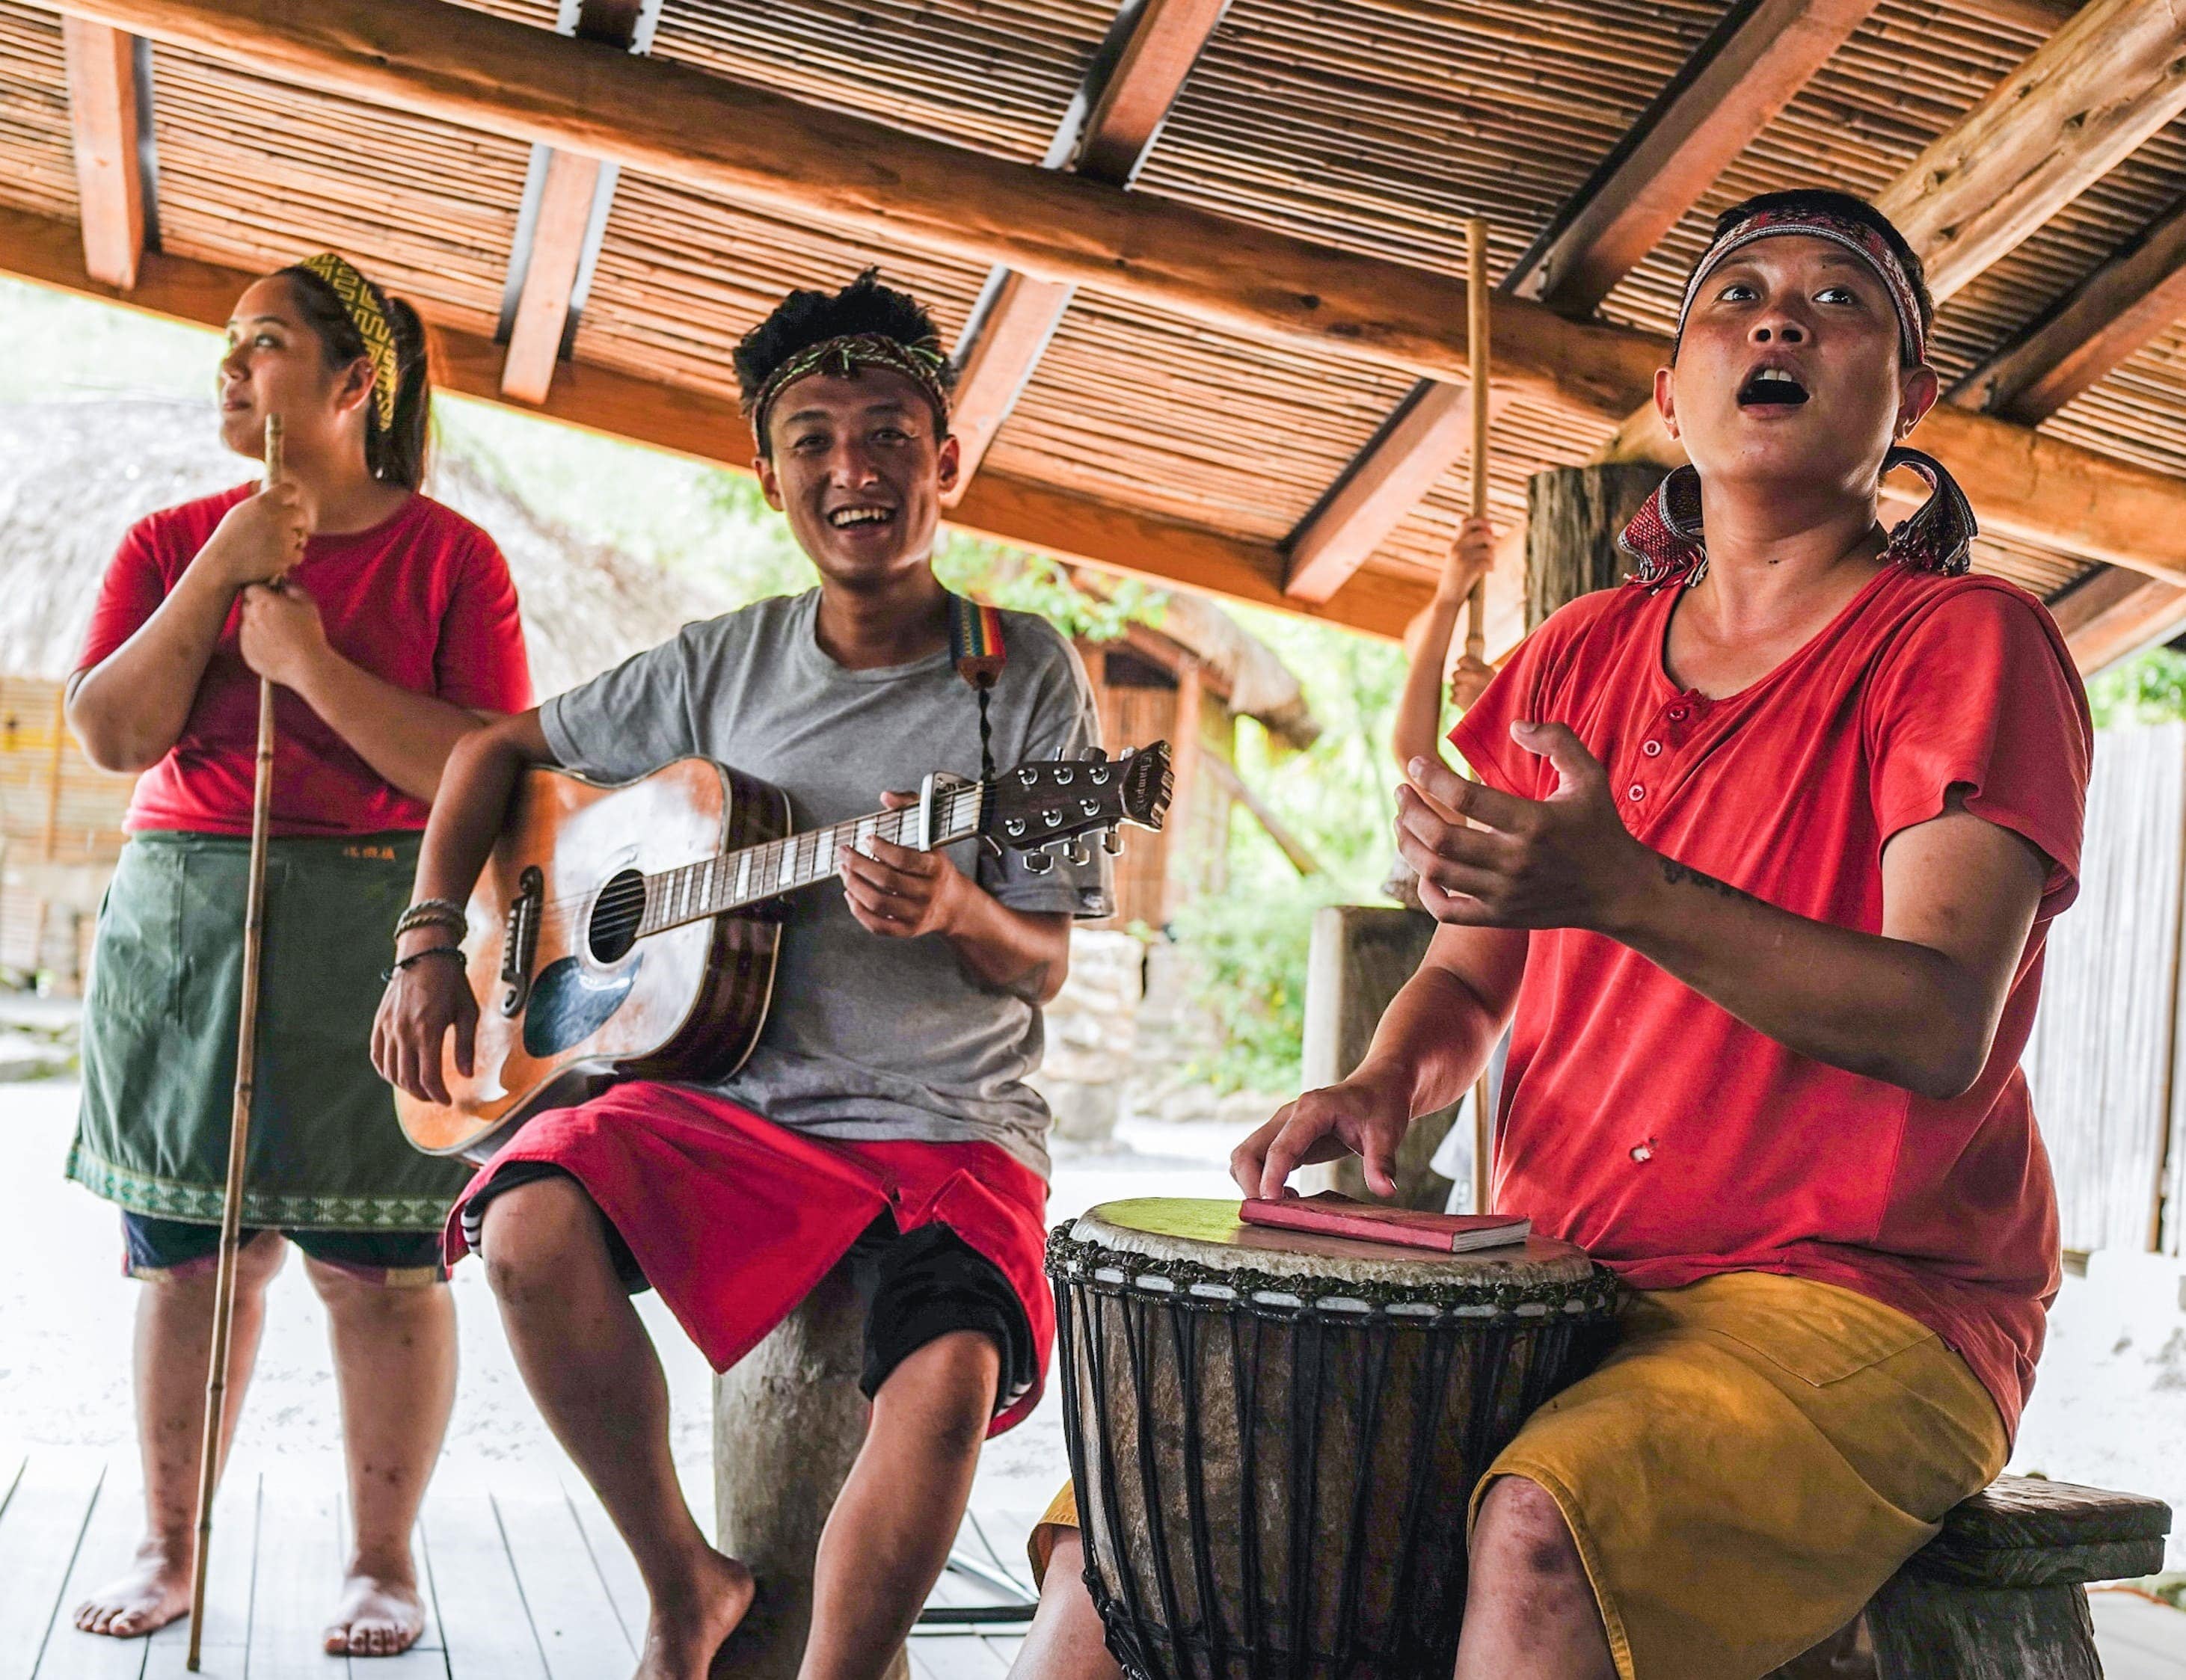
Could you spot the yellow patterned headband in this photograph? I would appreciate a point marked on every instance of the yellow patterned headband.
(370, 321)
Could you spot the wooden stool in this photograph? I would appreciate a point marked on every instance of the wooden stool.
(2001, 1593)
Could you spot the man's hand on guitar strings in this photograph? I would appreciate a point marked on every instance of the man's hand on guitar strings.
(420, 1004)
(896, 892)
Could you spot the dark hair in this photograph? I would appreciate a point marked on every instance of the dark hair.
(1848, 207)
(397, 454)
(804, 319)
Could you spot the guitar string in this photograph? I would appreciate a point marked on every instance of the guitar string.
(767, 856)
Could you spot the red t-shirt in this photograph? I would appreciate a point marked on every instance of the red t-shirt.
(423, 599)
(1671, 1140)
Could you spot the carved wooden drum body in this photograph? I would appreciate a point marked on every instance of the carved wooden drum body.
(1275, 1435)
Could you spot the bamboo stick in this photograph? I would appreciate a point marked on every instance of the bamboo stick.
(1476, 615)
(238, 1132)
(50, 839)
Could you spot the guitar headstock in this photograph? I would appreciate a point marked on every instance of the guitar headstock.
(1048, 808)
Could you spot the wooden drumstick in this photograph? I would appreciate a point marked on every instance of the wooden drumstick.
(238, 1128)
(1476, 344)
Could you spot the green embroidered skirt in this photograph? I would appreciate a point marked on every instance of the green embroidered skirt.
(158, 1037)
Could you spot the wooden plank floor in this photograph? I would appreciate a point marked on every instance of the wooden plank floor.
(522, 1583)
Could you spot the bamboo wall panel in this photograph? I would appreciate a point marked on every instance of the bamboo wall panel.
(37, 157)
(87, 828)
(258, 173)
(1377, 125)
(1205, 425)
(682, 275)
(2099, 1061)
(998, 74)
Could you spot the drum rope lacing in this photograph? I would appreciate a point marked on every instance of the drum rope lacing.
(1188, 1283)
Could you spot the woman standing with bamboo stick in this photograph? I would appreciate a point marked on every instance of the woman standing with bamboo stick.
(394, 631)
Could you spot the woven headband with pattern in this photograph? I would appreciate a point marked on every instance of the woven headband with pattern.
(1665, 544)
(1854, 236)
(372, 325)
(920, 361)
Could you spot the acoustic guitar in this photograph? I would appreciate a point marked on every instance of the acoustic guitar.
(631, 932)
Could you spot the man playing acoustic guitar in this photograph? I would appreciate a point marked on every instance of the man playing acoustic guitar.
(883, 1114)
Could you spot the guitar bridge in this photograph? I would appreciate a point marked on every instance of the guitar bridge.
(519, 942)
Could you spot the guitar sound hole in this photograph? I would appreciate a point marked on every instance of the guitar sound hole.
(616, 914)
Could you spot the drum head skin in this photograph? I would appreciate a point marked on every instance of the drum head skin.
(1209, 1234)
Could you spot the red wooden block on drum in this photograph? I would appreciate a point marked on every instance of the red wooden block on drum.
(1334, 1214)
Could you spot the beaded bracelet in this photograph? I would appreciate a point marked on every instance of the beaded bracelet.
(444, 906)
(387, 975)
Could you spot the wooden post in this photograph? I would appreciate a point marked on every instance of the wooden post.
(788, 1420)
(1187, 852)
(52, 838)
(1476, 317)
(1360, 955)
(1573, 516)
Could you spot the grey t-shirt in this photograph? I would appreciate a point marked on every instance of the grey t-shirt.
(868, 1037)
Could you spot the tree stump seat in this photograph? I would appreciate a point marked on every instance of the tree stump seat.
(2001, 1591)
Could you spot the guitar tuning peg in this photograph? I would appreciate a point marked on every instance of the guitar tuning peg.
(1075, 854)
(1093, 755)
(1111, 842)
(1039, 863)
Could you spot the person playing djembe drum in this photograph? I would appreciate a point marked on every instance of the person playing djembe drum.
(1763, 857)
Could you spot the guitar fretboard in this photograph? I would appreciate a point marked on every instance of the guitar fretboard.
(734, 879)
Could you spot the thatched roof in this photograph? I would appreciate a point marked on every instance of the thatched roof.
(74, 476)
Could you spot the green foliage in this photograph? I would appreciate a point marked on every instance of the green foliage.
(1247, 944)
(2150, 689)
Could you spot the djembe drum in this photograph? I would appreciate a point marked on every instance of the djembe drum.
(1274, 1434)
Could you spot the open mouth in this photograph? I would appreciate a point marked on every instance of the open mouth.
(1771, 387)
(860, 518)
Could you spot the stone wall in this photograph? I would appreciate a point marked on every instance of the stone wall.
(1092, 1035)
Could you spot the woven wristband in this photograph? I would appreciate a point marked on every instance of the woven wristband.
(387, 975)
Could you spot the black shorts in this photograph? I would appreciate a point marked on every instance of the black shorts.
(395, 1258)
(917, 1287)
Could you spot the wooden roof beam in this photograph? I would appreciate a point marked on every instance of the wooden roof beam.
(2104, 321)
(1752, 66)
(1165, 40)
(1429, 435)
(704, 427)
(2115, 615)
(2078, 107)
(764, 149)
(102, 89)
(572, 188)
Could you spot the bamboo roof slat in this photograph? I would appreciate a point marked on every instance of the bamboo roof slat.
(682, 275)
(258, 173)
(1376, 126)
(38, 156)
(2139, 412)
(998, 74)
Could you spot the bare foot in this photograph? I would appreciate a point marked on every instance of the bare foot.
(151, 1595)
(378, 1615)
(687, 1628)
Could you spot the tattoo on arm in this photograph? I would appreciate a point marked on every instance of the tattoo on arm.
(1677, 874)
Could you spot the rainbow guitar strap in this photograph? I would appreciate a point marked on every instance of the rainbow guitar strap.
(975, 646)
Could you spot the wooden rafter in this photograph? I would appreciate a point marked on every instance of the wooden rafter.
(1389, 478)
(2078, 107)
(705, 427)
(765, 150)
(102, 89)
(570, 191)
(2105, 320)
(1012, 333)
(1752, 66)
(550, 275)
